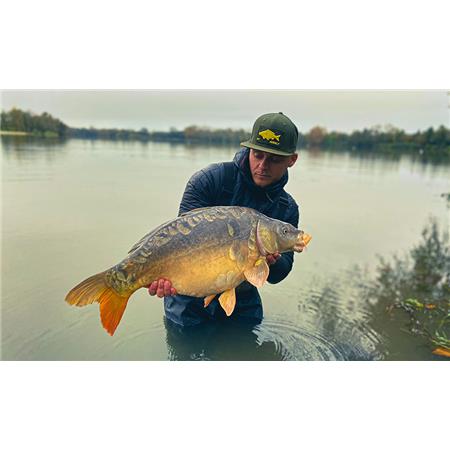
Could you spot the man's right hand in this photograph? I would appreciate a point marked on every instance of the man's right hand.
(161, 288)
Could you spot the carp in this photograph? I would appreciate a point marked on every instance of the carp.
(269, 135)
(203, 252)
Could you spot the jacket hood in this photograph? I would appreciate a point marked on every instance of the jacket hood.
(272, 191)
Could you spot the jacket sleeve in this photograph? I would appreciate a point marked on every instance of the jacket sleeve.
(280, 270)
(201, 189)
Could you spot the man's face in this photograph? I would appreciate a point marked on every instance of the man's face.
(267, 168)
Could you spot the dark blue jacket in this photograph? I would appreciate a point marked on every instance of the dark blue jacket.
(206, 188)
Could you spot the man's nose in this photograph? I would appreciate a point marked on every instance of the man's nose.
(265, 162)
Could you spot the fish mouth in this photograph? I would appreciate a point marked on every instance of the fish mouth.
(303, 241)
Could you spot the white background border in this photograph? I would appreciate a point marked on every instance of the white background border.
(199, 45)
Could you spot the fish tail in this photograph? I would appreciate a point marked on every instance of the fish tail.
(95, 289)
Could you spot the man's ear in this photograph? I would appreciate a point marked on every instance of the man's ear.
(293, 159)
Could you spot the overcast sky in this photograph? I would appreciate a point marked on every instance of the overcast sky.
(160, 110)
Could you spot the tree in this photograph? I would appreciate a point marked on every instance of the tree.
(317, 136)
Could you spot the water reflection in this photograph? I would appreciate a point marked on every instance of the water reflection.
(26, 148)
(323, 331)
(335, 316)
(410, 297)
(221, 340)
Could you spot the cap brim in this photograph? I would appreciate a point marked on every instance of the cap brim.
(249, 144)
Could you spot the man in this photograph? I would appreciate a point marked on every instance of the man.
(254, 179)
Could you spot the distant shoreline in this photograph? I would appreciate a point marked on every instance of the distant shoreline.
(14, 133)
(428, 144)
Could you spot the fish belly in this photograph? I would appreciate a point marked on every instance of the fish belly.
(205, 274)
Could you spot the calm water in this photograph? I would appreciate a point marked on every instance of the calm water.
(72, 209)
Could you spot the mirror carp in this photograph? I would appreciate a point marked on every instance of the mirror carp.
(204, 252)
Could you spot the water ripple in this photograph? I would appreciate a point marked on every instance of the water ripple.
(302, 342)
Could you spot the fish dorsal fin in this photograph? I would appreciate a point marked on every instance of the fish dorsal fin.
(147, 236)
(139, 243)
(195, 211)
(227, 301)
(258, 274)
(209, 299)
(156, 230)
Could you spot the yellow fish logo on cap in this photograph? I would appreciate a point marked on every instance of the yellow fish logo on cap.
(270, 136)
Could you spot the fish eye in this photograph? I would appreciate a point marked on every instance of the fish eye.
(284, 230)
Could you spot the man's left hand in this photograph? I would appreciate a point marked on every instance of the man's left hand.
(272, 258)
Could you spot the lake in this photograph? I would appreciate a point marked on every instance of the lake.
(74, 208)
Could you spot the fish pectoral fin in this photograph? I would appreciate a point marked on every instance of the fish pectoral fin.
(227, 301)
(258, 274)
(209, 299)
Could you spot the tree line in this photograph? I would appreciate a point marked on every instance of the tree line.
(48, 126)
(39, 125)
(388, 139)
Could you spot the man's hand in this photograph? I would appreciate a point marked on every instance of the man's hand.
(161, 288)
(272, 258)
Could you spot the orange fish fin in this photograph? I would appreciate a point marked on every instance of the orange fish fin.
(88, 291)
(209, 299)
(258, 274)
(441, 352)
(112, 307)
(94, 289)
(227, 301)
